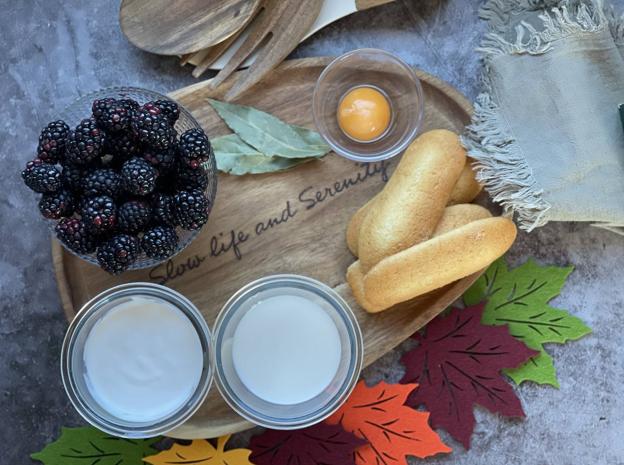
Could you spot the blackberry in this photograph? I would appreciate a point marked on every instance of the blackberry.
(168, 108)
(134, 216)
(130, 104)
(195, 148)
(111, 114)
(163, 209)
(122, 145)
(118, 253)
(103, 181)
(191, 209)
(164, 160)
(57, 204)
(52, 140)
(152, 127)
(41, 177)
(73, 233)
(85, 143)
(99, 214)
(159, 242)
(71, 177)
(188, 178)
(138, 176)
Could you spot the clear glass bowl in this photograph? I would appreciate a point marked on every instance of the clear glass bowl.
(73, 368)
(385, 72)
(81, 109)
(287, 416)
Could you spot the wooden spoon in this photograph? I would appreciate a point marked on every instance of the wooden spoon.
(177, 27)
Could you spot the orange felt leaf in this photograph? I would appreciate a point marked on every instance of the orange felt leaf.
(393, 430)
(201, 452)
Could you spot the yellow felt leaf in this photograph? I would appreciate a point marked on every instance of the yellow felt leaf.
(201, 452)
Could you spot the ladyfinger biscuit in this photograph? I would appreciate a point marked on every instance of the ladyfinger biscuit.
(409, 207)
(353, 228)
(432, 264)
(467, 188)
(452, 218)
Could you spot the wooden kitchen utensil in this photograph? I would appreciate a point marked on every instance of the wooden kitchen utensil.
(332, 10)
(177, 27)
(287, 222)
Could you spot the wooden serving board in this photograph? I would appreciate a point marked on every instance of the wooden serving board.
(290, 222)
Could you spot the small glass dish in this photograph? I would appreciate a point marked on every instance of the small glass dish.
(74, 371)
(287, 415)
(379, 70)
(81, 109)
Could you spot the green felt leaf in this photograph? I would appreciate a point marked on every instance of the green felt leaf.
(90, 446)
(519, 298)
(234, 156)
(268, 134)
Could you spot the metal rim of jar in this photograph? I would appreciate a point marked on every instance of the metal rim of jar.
(168, 423)
(355, 335)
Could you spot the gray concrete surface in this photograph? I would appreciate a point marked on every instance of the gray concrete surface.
(54, 50)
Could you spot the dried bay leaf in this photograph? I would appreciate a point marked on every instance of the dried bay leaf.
(234, 156)
(268, 134)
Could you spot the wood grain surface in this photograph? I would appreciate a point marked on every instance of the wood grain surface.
(176, 27)
(290, 222)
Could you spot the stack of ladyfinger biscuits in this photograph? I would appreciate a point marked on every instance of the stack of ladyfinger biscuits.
(420, 233)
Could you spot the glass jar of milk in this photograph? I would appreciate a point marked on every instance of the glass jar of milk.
(136, 360)
(288, 351)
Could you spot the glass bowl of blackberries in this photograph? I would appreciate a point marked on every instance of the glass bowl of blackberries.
(127, 178)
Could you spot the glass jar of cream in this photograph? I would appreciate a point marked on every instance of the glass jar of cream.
(288, 351)
(136, 360)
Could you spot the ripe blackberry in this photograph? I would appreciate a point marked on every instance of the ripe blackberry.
(163, 209)
(41, 177)
(111, 114)
(191, 209)
(85, 143)
(129, 103)
(164, 160)
(122, 145)
(188, 178)
(99, 214)
(159, 242)
(57, 204)
(134, 216)
(152, 127)
(104, 181)
(71, 177)
(168, 108)
(73, 233)
(52, 140)
(138, 176)
(195, 148)
(118, 253)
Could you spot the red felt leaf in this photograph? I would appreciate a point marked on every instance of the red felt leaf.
(457, 364)
(391, 429)
(321, 444)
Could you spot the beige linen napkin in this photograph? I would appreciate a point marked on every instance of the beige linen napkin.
(546, 135)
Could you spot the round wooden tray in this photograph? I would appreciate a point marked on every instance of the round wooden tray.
(290, 222)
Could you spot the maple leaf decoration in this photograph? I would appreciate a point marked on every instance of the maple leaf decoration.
(392, 430)
(201, 452)
(519, 298)
(321, 444)
(457, 364)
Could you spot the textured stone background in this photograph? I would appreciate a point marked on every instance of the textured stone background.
(54, 50)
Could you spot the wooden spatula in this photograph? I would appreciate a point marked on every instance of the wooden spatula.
(177, 27)
(275, 31)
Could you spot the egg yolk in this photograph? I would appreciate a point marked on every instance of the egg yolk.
(364, 114)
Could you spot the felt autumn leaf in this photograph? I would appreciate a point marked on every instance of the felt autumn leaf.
(87, 446)
(519, 298)
(457, 364)
(201, 452)
(321, 444)
(392, 430)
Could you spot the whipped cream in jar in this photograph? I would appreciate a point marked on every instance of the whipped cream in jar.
(136, 360)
